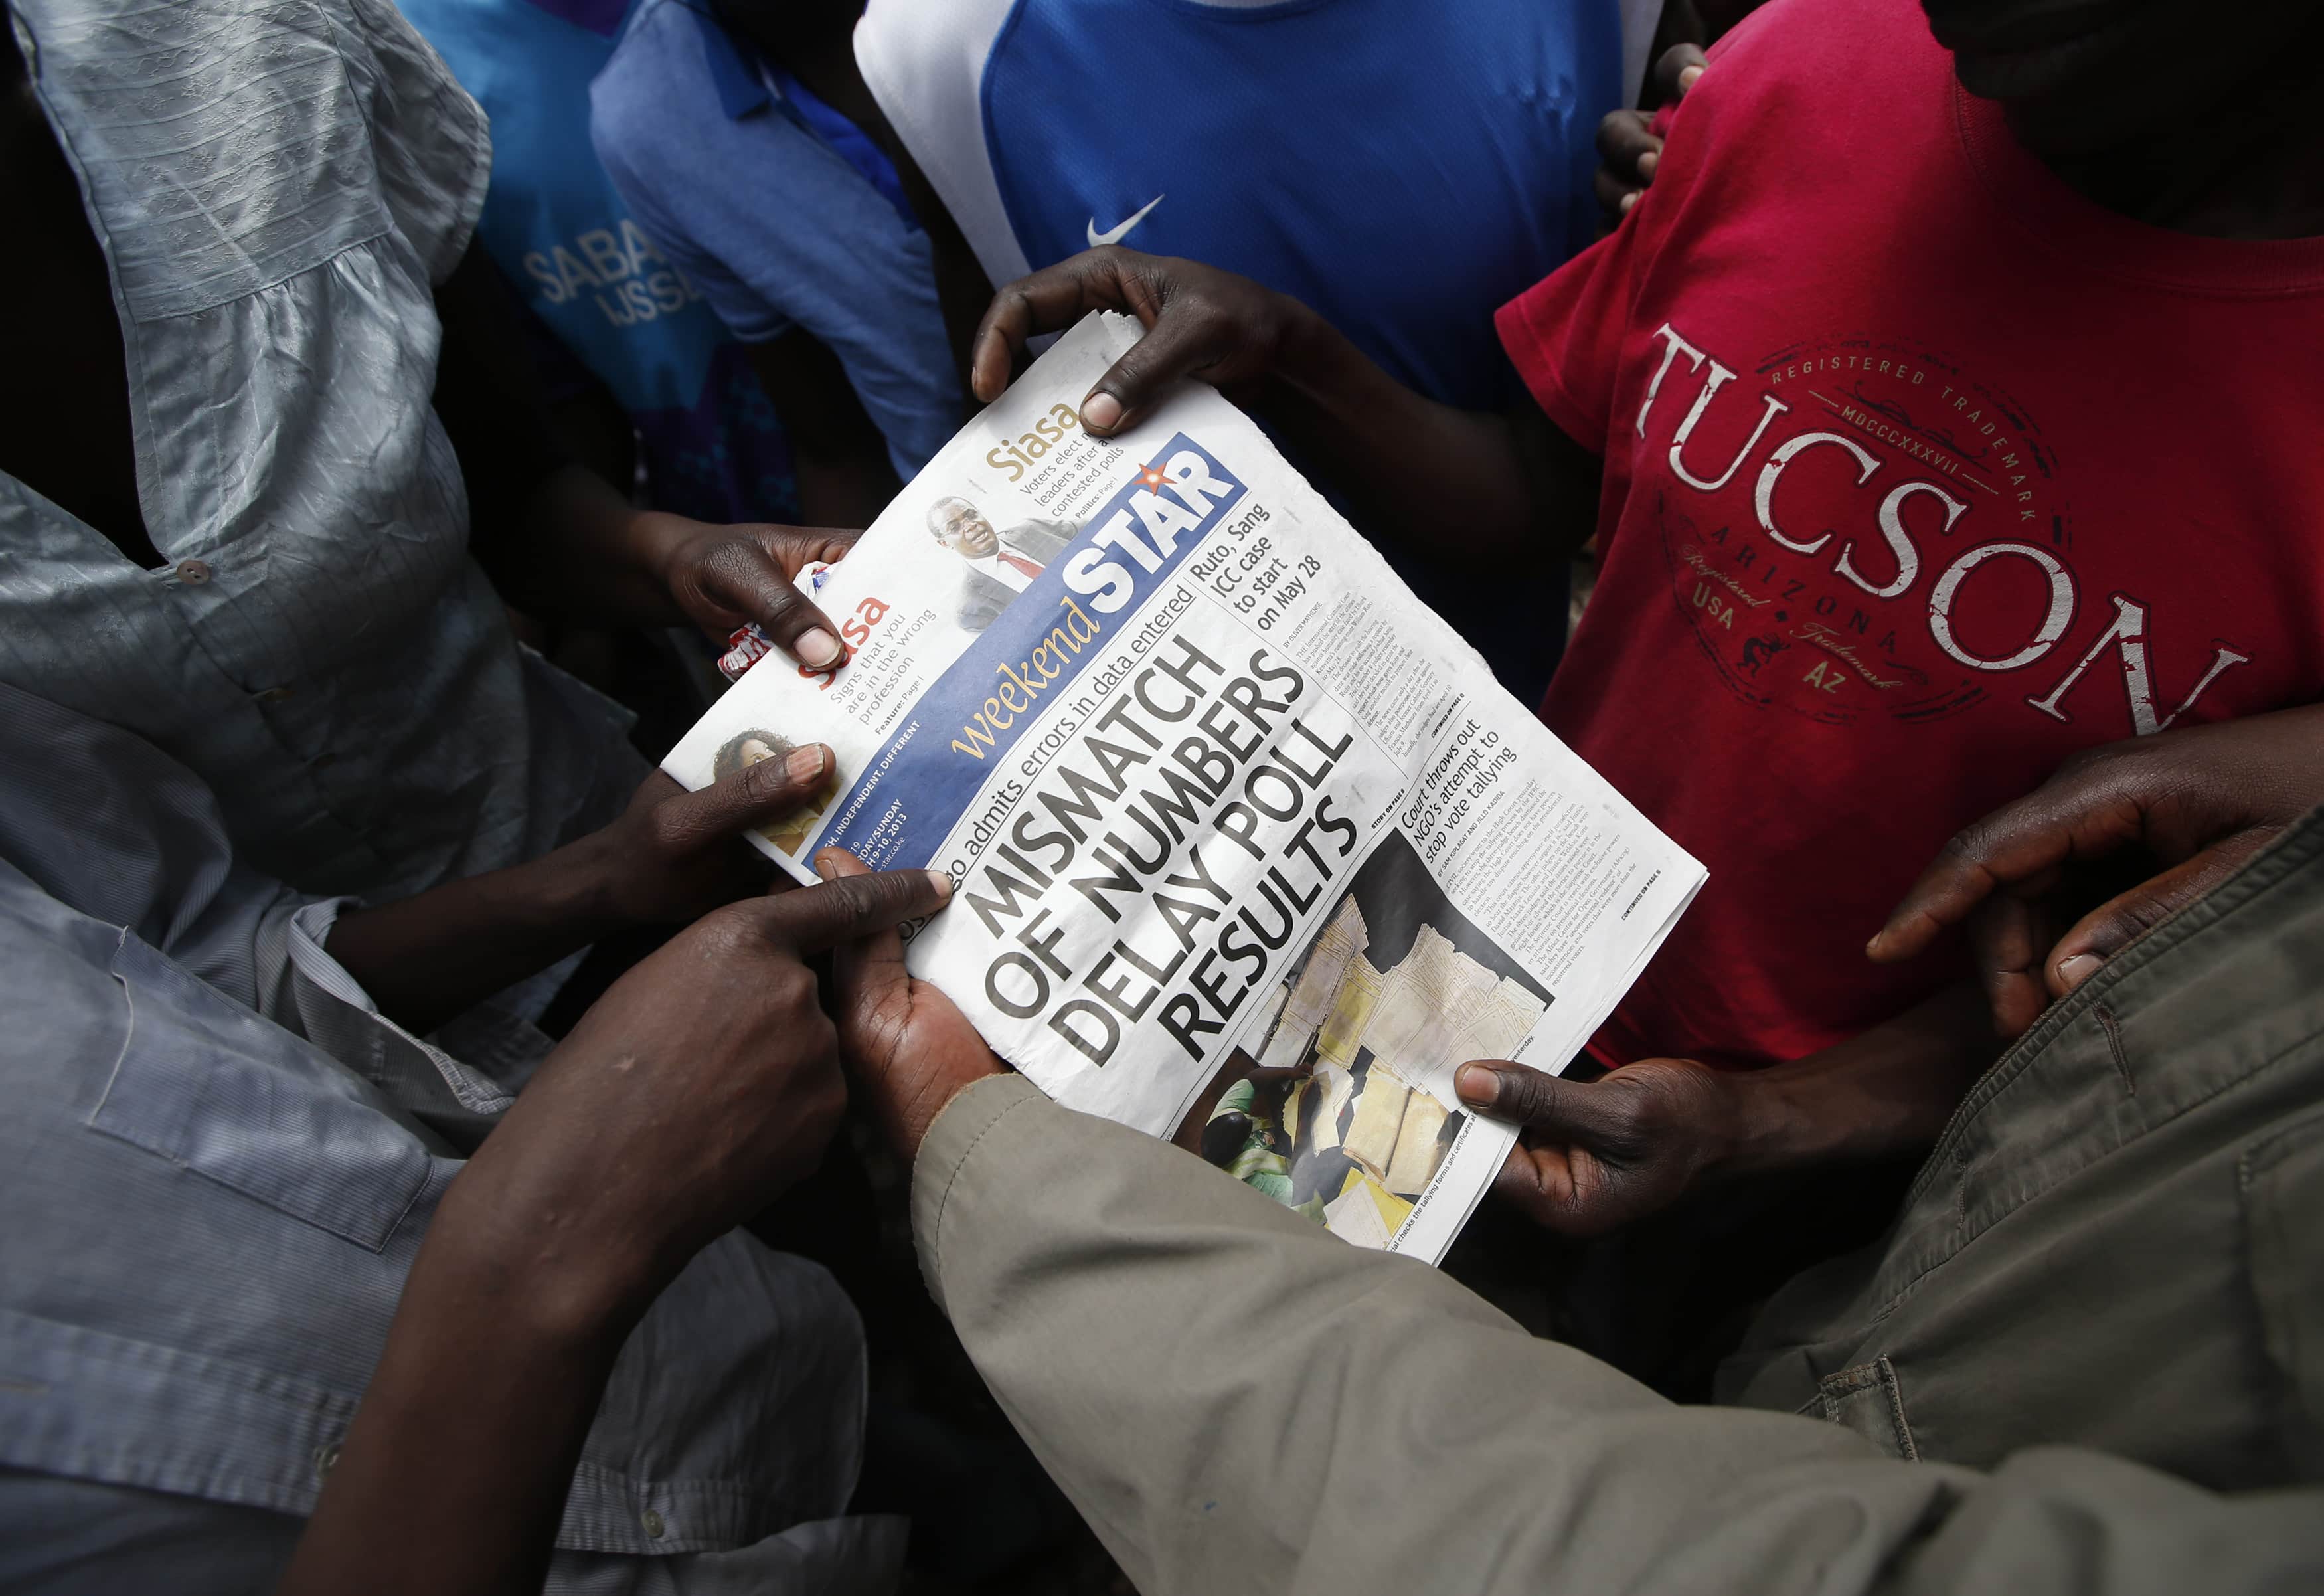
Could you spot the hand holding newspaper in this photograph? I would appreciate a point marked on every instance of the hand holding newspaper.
(1247, 847)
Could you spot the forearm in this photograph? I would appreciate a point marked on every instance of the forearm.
(427, 957)
(578, 550)
(453, 1475)
(839, 457)
(1420, 475)
(554, 537)
(1885, 1092)
(844, 492)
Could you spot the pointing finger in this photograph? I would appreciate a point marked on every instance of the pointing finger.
(869, 974)
(815, 918)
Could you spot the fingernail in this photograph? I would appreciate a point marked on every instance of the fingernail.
(823, 862)
(2074, 971)
(1629, 200)
(1101, 412)
(806, 764)
(1477, 1084)
(942, 881)
(1686, 77)
(816, 648)
(1648, 162)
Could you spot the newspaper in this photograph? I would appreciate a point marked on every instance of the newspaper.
(1248, 848)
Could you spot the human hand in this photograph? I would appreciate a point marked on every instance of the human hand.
(910, 1045)
(2200, 802)
(727, 576)
(1199, 321)
(1628, 149)
(1592, 1156)
(699, 1088)
(674, 855)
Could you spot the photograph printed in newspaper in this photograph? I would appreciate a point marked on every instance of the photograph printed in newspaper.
(1248, 848)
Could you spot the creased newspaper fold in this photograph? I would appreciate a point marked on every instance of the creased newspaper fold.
(1248, 846)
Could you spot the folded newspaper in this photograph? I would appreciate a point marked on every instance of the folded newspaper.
(1247, 847)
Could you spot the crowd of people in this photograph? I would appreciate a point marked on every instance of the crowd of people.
(438, 1158)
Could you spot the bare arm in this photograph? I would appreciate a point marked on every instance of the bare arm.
(701, 1087)
(2196, 802)
(963, 289)
(1596, 1155)
(672, 856)
(474, 1420)
(841, 460)
(559, 538)
(1504, 492)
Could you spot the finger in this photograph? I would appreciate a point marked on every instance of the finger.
(2077, 819)
(1627, 147)
(1565, 1110)
(2082, 952)
(1677, 71)
(841, 865)
(750, 797)
(742, 576)
(2007, 945)
(1615, 197)
(1049, 300)
(869, 974)
(1537, 1184)
(848, 908)
(1564, 1194)
(796, 547)
(1184, 340)
(871, 964)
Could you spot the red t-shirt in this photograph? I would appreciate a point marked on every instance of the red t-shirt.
(1922, 473)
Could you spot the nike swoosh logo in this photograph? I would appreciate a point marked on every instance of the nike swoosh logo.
(1098, 240)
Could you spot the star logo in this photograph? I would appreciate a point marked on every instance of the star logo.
(1151, 478)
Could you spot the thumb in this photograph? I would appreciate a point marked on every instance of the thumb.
(2114, 924)
(814, 918)
(742, 577)
(1565, 1110)
(750, 797)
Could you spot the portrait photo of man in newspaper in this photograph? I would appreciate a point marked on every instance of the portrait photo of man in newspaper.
(996, 565)
(1347, 1112)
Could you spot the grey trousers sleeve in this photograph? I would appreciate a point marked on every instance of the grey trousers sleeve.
(1236, 1400)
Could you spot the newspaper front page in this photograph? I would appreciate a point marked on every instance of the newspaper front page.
(1249, 847)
